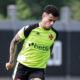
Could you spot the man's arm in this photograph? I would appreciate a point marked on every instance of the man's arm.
(51, 51)
(51, 48)
(13, 47)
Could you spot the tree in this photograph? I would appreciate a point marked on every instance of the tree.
(35, 7)
(75, 9)
(3, 7)
(24, 12)
(32, 9)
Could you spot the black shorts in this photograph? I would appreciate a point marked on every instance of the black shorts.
(22, 72)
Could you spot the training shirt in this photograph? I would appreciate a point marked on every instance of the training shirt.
(36, 48)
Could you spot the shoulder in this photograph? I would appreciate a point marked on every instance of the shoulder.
(55, 32)
(34, 25)
(30, 28)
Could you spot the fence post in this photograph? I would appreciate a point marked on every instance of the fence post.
(65, 20)
(65, 15)
(12, 12)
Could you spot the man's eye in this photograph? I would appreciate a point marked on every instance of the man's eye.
(52, 21)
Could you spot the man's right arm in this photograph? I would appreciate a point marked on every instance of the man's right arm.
(13, 47)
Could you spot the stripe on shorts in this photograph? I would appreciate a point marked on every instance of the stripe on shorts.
(15, 70)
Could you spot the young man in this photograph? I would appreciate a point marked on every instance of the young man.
(34, 55)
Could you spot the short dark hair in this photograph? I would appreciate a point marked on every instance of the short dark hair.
(51, 9)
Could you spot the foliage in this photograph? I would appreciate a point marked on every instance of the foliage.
(3, 7)
(75, 9)
(32, 9)
(1, 16)
(36, 7)
(24, 12)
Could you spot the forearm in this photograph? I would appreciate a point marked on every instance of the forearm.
(13, 47)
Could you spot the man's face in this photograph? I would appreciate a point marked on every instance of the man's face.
(48, 20)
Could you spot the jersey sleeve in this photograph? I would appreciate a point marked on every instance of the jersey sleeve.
(21, 32)
(55, 33)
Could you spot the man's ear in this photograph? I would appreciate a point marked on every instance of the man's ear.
(44, 14)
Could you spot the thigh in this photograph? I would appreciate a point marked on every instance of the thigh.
(20, 72)
(35, 79)
(37, 75)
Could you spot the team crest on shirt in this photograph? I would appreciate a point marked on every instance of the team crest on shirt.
(50, 36)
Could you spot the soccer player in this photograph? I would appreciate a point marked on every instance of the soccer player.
(38, 41)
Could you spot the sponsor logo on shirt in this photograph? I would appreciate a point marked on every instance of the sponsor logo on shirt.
(40, 47)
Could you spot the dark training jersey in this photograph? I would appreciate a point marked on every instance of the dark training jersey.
(36, 48)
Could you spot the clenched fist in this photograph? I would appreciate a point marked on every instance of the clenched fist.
(9, 66)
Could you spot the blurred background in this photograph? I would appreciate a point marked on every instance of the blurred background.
(64, 63)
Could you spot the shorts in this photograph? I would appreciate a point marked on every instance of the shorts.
(22, 72)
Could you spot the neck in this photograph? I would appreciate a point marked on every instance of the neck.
(42, 25)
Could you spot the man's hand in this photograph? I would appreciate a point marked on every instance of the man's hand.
(9, 66)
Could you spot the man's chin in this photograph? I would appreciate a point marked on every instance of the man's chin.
(47, 28)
